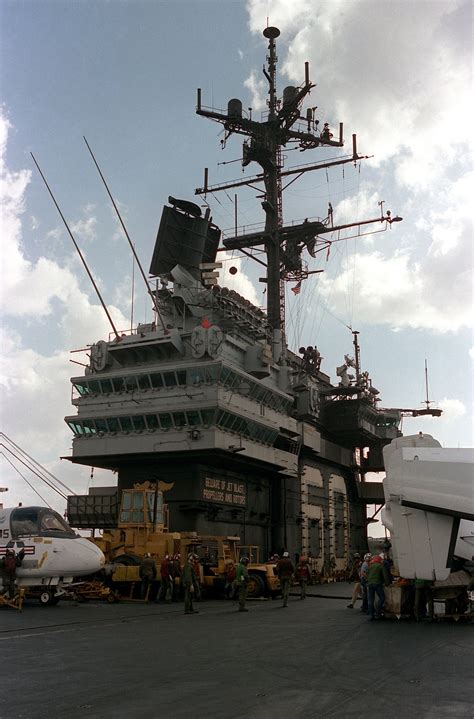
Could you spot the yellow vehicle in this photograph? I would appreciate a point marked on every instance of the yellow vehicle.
(141, 528)
(216, 552)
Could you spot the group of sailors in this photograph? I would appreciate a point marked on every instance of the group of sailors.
(372, 574)
(176, 580)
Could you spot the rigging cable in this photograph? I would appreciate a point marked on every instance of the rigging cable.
(51, 486)
(34, 462)
(28, 483)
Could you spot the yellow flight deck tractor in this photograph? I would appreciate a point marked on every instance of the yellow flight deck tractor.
(216, 552)
(138, 526)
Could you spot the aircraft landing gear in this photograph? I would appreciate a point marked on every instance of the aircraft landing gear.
(47, 598)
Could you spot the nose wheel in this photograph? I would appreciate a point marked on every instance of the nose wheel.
(47, 598)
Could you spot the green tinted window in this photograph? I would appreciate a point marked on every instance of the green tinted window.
(101, 425)
(179, 419)
(144, 381)
(170, 379)
(139, 422)
(166, 421)
(152, 421)
(208, 416)
(113, 424)
(94, 386)
(126, 423)
(118, 384)
(212, 373)
(130, 383)
(193, 418)
(195, 375)
(89, 426)
(156, 380)
(106, 386)
(181, 377)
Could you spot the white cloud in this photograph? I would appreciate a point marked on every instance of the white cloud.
(35, 386)
(288, 17)
(238, 282)
(407, 95)
(453, 409)
(85, 228)
(257, 89)
(471, 353)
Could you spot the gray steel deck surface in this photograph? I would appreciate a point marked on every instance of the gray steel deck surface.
(314, 659)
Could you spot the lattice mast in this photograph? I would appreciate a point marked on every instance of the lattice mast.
(283, 245)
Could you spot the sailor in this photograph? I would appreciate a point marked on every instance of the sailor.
(241, 582)
(165, 575)
(326, 133)
(330, 215)
(8, 566)
(364, 568)
(285, 571)
(197, 580)
(189, 581)
(423, 596)
(303, 575)
(147, 575)
(230, 574)
(377, 577)
(176, 576)
(354, 577)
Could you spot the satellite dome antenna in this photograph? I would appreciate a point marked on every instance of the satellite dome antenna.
(271, 32)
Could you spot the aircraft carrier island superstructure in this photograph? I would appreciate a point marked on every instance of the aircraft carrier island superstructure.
(251, 438)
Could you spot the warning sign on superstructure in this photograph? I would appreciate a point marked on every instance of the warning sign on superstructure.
(224, 491)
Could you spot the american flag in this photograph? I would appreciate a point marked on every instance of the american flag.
(297, 288)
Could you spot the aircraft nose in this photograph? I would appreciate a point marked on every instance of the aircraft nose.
(92, 557)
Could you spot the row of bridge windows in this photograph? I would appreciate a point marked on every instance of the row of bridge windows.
(192, 376)
(165, 421)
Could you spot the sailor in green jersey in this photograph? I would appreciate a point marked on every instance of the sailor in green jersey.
(242, 580)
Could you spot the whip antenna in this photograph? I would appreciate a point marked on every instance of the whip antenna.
(149, 290)
(77, 248)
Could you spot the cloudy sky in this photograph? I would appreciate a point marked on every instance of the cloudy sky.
(124, 74)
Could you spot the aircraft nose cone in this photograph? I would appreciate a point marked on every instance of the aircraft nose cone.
(92, 557)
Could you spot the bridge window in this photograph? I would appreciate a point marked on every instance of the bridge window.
(106, 386)
(193, 418)
(130, 383)
(94, 386)
(126, 424)
(152, 421)
(170, 379)
(113, 424)
(138, 422)
(156, 380)
(181, 377)
(166, 420)
(179, 419)
(144, 381)
(88, 426)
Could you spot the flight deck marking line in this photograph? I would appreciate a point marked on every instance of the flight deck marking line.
(92, 623)
(40, 634)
